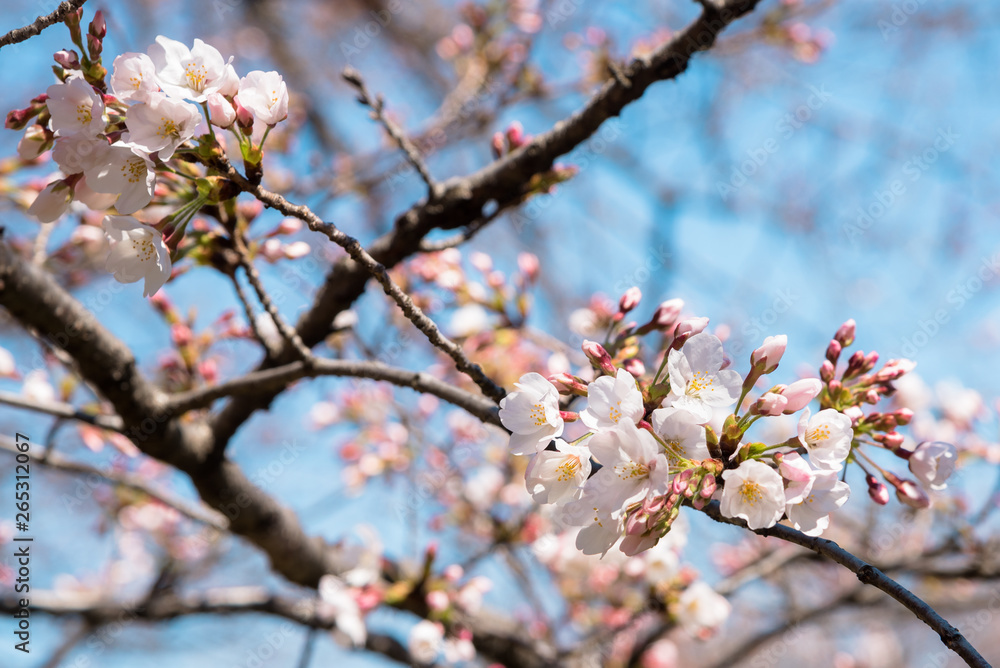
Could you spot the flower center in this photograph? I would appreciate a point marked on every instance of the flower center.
(751, 492)
(630, 470)
(134, 170)
(83, 114)
(538, 415)
(568, 469)
(196, 76)
(699, 382)
(820, 433)
(168, 127)
(615, 414)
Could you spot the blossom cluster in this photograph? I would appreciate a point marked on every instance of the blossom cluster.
(112, 148)
(651, 443)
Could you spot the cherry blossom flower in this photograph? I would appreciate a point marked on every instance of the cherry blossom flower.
(76, 153)
(37, 387)
(933, 462)
(610, 399)
(701, 608)
(161, 124)
(75, 107)
(682, 434)
(425, 641)
(185, 73)
(133, 77)
(827, 437)
(697, 382)
(336, 601)
(137, 251)
(800, 476)
(633, 466)
(558, 476)
(754, 491)
(265, 95)
(127, 171)
(221, 110)
(532, 414)
(50, 204)
(811, 515)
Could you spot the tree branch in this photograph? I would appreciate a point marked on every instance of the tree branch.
(41, 23)
(502, 183)
(61, 410)
(57, 462)
(868, 574)
(280, 377)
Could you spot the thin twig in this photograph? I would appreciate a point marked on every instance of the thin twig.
(41, 23)
(868, 574)
(251, 317)
(377, 105)
(137, 483)
(376, 269)
(287, 332)
(282, 376)
(61, 410)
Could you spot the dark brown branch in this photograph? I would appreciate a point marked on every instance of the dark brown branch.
(129, 481)
(61, 410)
(41, 23)
(281, 377)
(232, 601)
(501, 182)
(868, 574)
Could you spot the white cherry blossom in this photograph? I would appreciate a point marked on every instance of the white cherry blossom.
(682, 434)
(185, 73)
(133, 77)
(126, 171)
(633, 465)
(532, 414)
(811, 516)
(75, 107)
(754, 491)
(77, 153)
(137, 252)
(264, 95)
(558, 476)
(701, 608)
(827, 437)
(336, 601)
(697, 381)
(425, 641)
(933, 462)
(611, 399)
(50, 204)
(161, 124)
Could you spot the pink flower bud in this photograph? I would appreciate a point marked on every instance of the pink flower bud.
(438, 600)
(243, 116)
(599, 357)
(682, 481)
(289, 225)
(903, 416)
(800, 393)
(515, 135)
(878, 492)
(892, 441)
(635, 367)
(667, 313)
(845, 335)
(770, 404)
(708, 487)
(209, 371)
(911, 494)
(181, 334)
(691, 326)
(855, 413)
(220, 110)
(833, 351)
(826, 371)
(272, 250)
(68, 60)
(497, 144)
(98, 27)
(629, 300)
(528, 264)
(893, 369)
(766, 358)
(872, 396)
(870, 361)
